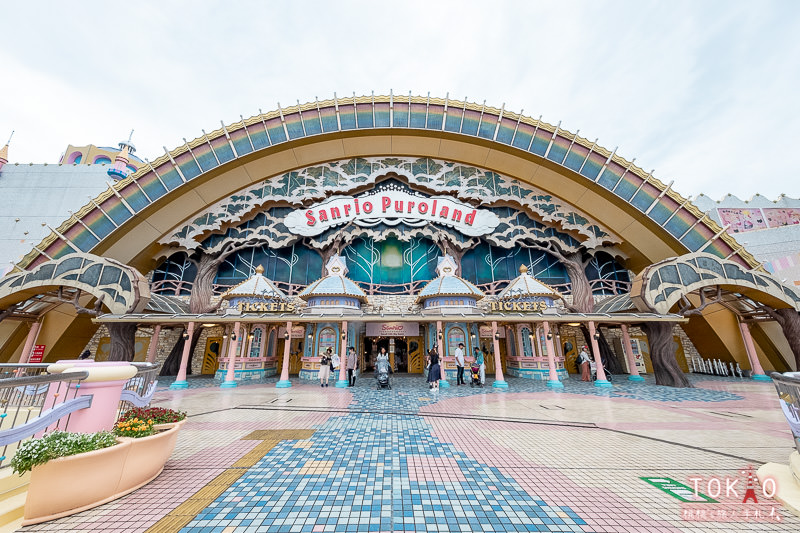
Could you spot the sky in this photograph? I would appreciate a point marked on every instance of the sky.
(703, 92)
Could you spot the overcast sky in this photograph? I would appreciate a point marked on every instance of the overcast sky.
(704, 92)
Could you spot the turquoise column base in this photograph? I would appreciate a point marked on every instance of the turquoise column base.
(228, 385)
(498, 384)
(444, 384)
(342, 384)
(555, 384)
(603, 383)
(179, 385)
(635, 378)
(756, 377)
(283, 384)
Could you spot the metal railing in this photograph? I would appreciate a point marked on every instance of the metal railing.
(788, 387)
(18, 370)
(139, 389)
(31, 404)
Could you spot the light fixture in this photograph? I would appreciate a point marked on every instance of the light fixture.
(440, 335)
(597, 335)
(473, 336)
(344, 335)
(574, 324)
(286, 335)
(233, 336)
(497, 336)
(310, 336)
(549, 336)
(250, 337)
(209, 325)
(224, 336)
(185, 336)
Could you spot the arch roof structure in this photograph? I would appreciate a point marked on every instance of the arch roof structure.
(127, 220)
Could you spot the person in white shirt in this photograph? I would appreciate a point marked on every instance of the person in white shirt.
(460, 364)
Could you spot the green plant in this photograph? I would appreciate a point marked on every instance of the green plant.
(159, 415)
(134, 428)
(58, 444)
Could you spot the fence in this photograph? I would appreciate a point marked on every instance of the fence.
(788, 387)
(33, 403)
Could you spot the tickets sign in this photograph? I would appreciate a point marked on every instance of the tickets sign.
(391, 207)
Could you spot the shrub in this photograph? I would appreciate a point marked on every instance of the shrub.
(158, 415)
(58, 444)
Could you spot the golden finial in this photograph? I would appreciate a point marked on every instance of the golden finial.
(523, 269)
(259, 269)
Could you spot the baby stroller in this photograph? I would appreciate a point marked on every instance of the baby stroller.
(475, 374)
(382, 372)
(605, 369)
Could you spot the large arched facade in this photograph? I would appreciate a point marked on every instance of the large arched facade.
(548, 188)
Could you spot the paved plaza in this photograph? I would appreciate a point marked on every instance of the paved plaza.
(257, 458)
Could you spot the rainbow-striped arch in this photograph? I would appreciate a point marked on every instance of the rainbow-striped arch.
(294, 136)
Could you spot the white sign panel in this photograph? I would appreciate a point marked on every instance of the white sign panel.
(391, 207)
(392, 329)
(298, 332)
(486, 332)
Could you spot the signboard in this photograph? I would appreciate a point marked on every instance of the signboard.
(298, 332)
(265, 307)
(38, 354)
(392, 329)
(392, 207)
(486, 332)
(519, 307)
(677, 490)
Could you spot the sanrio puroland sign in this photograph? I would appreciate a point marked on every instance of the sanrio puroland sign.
(391, 207)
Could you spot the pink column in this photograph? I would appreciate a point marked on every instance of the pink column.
(626, 342)
(230, 375)
(752, 354)
(29, 342)
(284, 381)
(153, 349)
(343, 351)
(601, 380)
(551, 358)
(499, 379)
(180, 381)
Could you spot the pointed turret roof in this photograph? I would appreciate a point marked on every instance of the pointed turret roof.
(525, 286)
(255, 286)
(448, 284)
(335, 283)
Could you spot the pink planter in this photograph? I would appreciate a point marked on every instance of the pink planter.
(69, 485)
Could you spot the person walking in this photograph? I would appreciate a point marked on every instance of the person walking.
(434, 372)
(325, 368)
(335, 362)
(584, 363)
(460, 364)
(479, 359)
(352, 364)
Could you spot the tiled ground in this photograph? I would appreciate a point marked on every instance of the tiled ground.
(462, 459)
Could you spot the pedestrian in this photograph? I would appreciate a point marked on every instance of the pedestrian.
(584, 363)
(434, 372)
(480, 361)
(335, 362)
(460, 364)
(325, 368)
(352, 364)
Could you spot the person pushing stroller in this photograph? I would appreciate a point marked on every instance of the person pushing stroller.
(382, 371)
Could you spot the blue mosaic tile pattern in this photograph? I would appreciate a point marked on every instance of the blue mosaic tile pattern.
(367, 485)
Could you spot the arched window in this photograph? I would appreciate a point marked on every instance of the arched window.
(327, 339)
(270, 344)
(527, 347)
(256, 343)
(542, 341)
(511, 342)
(101, 160)
(454, 336)
(74, 157)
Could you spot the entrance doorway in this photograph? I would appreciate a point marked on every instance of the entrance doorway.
(405, 353)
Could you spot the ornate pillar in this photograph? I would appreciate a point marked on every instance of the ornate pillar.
(553, 380)
(601, 380)
(284, 382)
(752, 354)
(440, 339)
(343, 382)
(29, 342)
(153, 348)
(230, 375)
(499, 379)
(180, 381)
(626, 343)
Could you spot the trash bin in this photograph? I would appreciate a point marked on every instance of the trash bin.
(788, 387)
